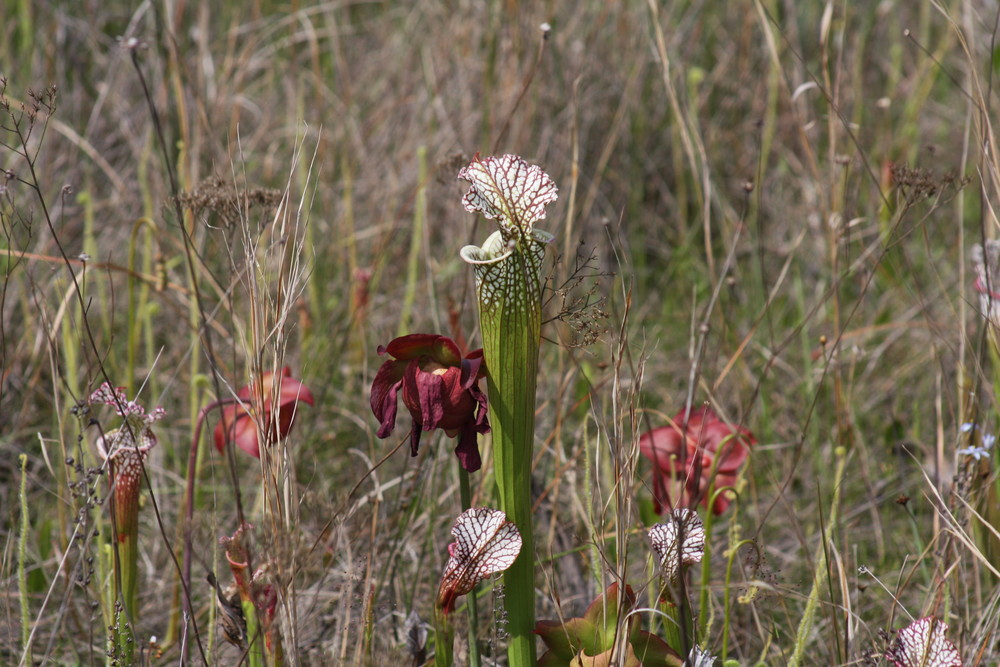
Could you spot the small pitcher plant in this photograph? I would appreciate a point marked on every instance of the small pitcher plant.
(514, 194)
(923, 644)
(678, 543)
(486, 543)
(258, 601)
(124, 450)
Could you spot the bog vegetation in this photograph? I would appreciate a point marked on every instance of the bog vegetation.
(737, 393)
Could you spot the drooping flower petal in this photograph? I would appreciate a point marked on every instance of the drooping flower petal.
(425, 393)
(385, 388)
(508, 189)
(923, 644)
(486, 543)
(413, 346)
(290, 391)
(237, 426)
(678, 541)
(467, 449)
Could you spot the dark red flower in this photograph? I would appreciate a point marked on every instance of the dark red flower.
(691, 452)
(277, 408)
(440, 389)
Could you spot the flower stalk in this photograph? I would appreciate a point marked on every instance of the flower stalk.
(508, 190)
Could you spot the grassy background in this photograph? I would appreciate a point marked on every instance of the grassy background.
(773, 199)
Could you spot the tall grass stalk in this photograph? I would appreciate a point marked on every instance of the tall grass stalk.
(416, 243)
(22, 557)
(726, 609)
(802, 635)
(138, 307)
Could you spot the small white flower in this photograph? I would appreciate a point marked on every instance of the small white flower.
(975, 452)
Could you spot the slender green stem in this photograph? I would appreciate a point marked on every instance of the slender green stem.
(706, 567)
(470, 599)
(192, 478)
(444, 639)
(809, 614)
(22, 555)
(137, 315)
(725, 593)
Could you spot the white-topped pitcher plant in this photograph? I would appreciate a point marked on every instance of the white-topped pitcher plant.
(514, 194)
